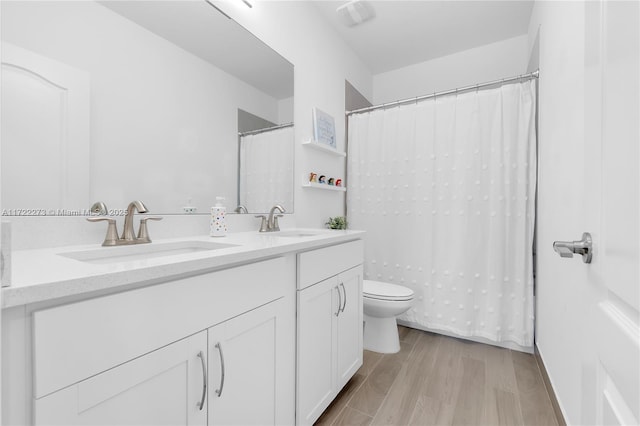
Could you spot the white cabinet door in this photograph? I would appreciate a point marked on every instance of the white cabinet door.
(329, 341)
(318, 305)
(246, 372)
(349, 329)
(164, 387)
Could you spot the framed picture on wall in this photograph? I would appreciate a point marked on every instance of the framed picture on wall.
(324, 128)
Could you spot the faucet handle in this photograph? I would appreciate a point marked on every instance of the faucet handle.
(146, 218)
(276, 226)
(143, 232)
(99, 208)
(111, 238)
(263, 224)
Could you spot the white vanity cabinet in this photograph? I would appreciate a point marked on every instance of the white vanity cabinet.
(329, 326)
(164, 387)
(267, 334)
(144, 356)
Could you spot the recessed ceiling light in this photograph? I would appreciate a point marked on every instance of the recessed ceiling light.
(355, 12)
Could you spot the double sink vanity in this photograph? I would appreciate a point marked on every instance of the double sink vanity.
(251, 328)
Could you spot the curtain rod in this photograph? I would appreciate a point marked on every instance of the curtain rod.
(266, 129)
(529, 76)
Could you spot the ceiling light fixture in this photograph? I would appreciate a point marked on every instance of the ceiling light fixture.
(355, 12)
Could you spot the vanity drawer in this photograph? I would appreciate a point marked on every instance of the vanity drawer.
(317, 265)
(78, 340)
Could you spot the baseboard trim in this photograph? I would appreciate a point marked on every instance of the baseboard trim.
(547, 385)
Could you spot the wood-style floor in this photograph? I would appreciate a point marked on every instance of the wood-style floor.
(439, 380)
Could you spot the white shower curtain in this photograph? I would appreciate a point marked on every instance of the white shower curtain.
(266, 170)
(445, 189)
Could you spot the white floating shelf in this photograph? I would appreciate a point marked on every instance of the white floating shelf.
(324, 148)
(324, 186)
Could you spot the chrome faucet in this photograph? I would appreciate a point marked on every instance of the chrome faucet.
(272, 221)
(241, 209)
(127, 233)
(270, 224)
(99, 208)
(128, 236)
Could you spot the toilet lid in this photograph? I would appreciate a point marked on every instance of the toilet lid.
(386, 291)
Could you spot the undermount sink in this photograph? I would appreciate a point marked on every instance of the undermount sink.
(297, 233)
(142, 251)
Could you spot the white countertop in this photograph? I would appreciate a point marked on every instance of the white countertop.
(43, 274)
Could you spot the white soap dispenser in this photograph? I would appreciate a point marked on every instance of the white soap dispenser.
(218, 226)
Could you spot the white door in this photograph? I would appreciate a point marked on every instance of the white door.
(164, 387)
(44, 166)
(245, 356)
(612, 133)
(349, 329)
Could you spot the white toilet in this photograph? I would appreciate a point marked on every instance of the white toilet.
(382, 303)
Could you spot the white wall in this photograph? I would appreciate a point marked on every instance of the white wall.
(285, 110)
(485, 63)
(557, 31)
(322, 63)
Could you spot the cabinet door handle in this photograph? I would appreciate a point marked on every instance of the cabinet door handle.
(344, 305)
(204, 380)
(219, 391)
(339, 300)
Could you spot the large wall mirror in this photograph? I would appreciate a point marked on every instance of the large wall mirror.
(168, 102)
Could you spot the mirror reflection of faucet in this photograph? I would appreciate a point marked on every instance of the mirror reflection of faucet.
(128, 236)
(241, 209)
(99, 208)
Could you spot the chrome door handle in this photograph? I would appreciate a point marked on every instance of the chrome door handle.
(219, 391)
(582, 247)
(339, 300)
(204, 381)
(344, 290)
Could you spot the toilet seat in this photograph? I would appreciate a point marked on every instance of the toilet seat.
(385, 291)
